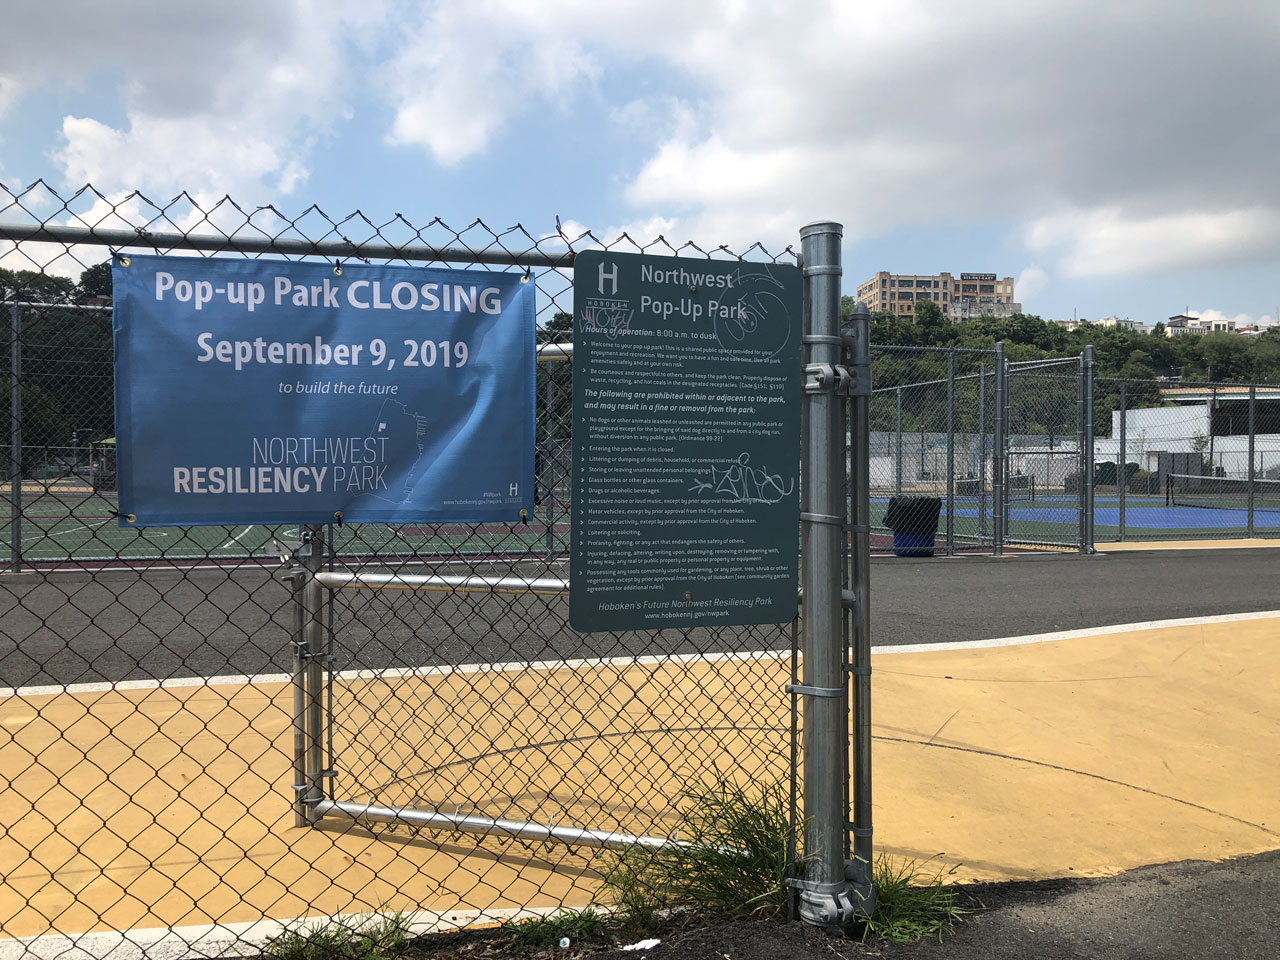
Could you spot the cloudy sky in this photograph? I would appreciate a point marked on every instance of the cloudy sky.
(1115, 158)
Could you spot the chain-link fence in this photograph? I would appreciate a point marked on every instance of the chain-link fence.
(1186, 460)
(209, 732)
(993, 450)
(932, 437)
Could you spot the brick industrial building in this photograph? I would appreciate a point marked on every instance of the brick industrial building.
(964, 298)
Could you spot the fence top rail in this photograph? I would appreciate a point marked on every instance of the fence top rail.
(930, 383)
(913, 349)
(336, 249)
(1195, 386)
(1019, 366)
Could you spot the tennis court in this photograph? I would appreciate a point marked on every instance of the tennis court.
(61, 524)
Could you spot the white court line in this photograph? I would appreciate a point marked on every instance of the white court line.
(515, 666)
(90, 526)
(235, 539)
(230, 939)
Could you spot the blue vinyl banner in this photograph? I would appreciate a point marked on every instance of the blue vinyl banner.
(266, 391)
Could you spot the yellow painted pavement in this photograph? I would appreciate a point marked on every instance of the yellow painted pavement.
(1185, 545)
(1067, 758)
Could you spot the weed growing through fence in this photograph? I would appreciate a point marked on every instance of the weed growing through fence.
(910, 905)
(731, 859)
(370, 938)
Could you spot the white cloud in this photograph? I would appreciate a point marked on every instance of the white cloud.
(224, 98)
(1031, 281)
(1095, 243)
(10, 90)
(466, 69)
(1080, 118)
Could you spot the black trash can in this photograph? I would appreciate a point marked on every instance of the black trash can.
(914, 522)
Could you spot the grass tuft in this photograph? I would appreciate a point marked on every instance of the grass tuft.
(539, 933)
(370, 938)
(732, 860)
(910, 905)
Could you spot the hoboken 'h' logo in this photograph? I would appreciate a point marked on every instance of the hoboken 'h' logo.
(612, 277)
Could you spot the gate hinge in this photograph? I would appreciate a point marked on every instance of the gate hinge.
(838, 379)
(808, 691)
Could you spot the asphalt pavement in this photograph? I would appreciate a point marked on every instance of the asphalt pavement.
(109, 626)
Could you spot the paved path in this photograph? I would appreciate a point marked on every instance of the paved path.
(74, 628)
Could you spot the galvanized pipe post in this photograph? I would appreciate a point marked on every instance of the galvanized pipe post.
(897, 455)
(982, 455)
(1124, 458)
(1086, 388)
(859, 614)
(998, 453)
(314, 632)
(1253, 401)
(951, 452)
(548, 463)
(301, 784)
(826, 896)
(15, 439)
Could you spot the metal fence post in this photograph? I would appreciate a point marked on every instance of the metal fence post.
(15, 438)
(301, 783)
(951, 452)
(1124, 459)
(1089, 459)
(549, 461)
(897, 456)
(859, 617)
(826, 896)
(998, 453)
(982, 455)
(1253, 400)
(314, 633)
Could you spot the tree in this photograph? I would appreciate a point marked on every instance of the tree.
(96, 281)
(559, 329)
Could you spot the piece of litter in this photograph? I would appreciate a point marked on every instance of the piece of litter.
(564, 943)
(642, 945)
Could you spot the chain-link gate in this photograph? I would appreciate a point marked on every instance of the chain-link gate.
(933, 431)
(211, 731)
(1049, 453)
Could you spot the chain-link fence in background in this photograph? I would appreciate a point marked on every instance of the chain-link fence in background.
(1185, 460)
(998, 445)
(211, 730)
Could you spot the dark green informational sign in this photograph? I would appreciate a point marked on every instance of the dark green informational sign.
(686, 442)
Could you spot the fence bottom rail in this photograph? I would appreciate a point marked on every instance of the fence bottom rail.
(490, 826)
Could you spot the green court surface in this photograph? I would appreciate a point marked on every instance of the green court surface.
(79, 525)
(70, 525)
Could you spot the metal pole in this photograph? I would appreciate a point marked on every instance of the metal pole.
(314, 635)
(548, 462)
(301, 785)
(826, 896)
(951, 453)
(1253, 399)
(15, 439)
(1124, 457)
(1089, 458)
(859, 575)
(982, 454)
(1079, 453)
(898, 448)
(997, 458)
